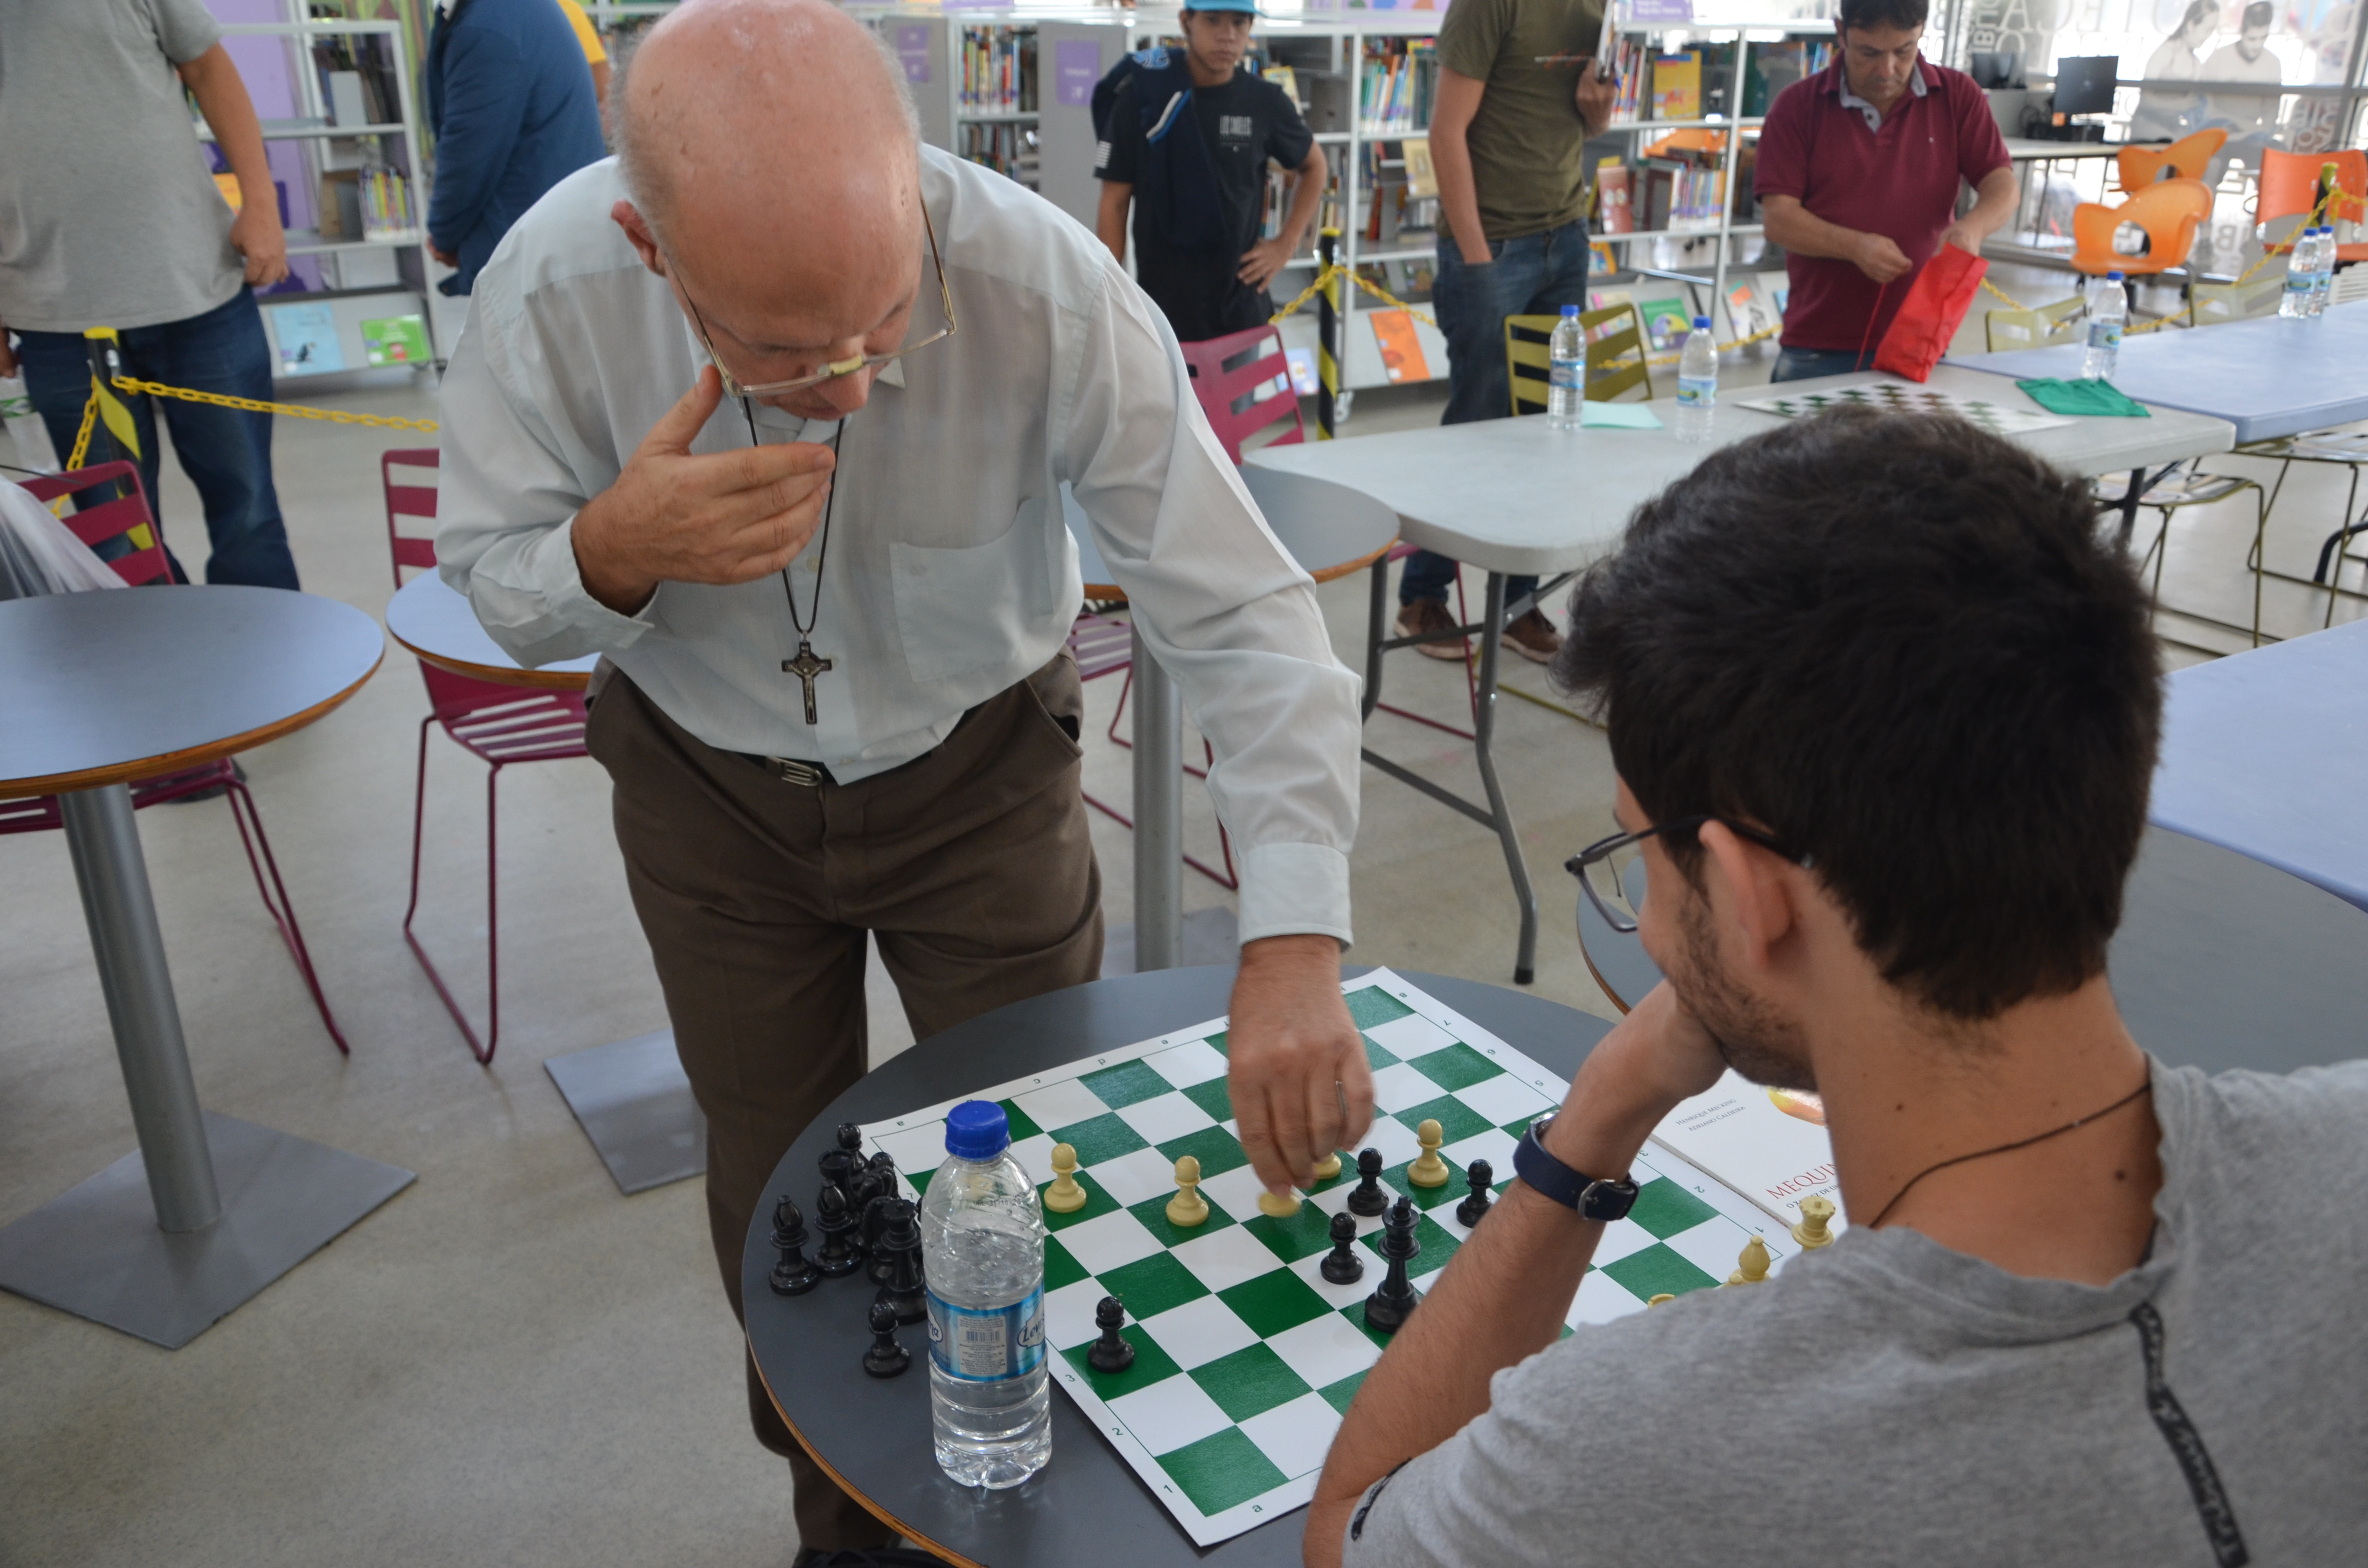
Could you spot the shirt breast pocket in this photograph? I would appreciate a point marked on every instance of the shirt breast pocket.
(973, 607)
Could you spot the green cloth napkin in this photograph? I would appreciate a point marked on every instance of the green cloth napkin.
(2084, 397)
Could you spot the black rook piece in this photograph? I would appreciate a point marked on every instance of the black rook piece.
(1111, 1352)
(900, 1241)
(1342, 1266)
(886, 1357)
(1480, 1177)
(794, 1275)
(1368, 1198)
(837, 1258)
(1387, 1309)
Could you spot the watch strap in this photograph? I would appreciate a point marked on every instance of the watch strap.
(1592, 1197)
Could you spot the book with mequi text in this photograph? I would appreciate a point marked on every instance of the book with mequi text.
(1767, 1144)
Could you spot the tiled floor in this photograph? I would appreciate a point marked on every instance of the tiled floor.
(509, 1363)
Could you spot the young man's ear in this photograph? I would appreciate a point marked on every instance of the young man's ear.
(1749, 891)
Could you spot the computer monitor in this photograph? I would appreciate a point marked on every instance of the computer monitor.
(2084, 84)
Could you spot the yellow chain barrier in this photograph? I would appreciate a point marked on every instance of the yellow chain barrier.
(253, 405)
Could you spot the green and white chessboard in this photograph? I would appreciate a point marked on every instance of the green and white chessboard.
(1245, 1355)
(1999, 419)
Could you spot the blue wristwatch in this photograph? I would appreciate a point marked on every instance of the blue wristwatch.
(1592, 1197)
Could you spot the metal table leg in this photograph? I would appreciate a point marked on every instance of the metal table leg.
(150, 1246)
(1158, 814)
(1484, 729)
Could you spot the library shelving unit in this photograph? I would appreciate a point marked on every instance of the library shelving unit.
(357, 129)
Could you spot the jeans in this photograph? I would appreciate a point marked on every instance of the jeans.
(1802, 364)
(1535, 275)
(226, 452)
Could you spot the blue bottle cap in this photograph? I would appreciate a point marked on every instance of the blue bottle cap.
(2112, 278)
(1570, 310)
(1701, 324)
(977, 1129)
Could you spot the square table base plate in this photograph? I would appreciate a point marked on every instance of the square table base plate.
(633, 1100)
(97, 1250)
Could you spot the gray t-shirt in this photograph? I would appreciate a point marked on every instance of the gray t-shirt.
(1889, 1401)
(109, 212)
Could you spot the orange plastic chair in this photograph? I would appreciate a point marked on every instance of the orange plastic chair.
(2290, 186)
(1228, 375)
(2186, 158)
(2169, 213)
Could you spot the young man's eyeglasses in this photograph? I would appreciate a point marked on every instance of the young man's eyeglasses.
(832, 371)
(1607, 873)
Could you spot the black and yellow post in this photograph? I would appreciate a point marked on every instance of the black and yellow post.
(1328, 330)
(114, 416)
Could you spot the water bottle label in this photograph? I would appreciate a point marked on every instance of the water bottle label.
(986, 1344)
(1570, 374)
(2105, 335)
(1697, 393)
(2300, 282)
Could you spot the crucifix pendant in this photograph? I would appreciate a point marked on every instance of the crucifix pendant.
(805, 666)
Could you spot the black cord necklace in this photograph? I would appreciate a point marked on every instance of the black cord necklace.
(2143, 1089)
(806, 666)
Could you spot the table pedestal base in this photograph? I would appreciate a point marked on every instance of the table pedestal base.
(96, 1251)
(633, 1100)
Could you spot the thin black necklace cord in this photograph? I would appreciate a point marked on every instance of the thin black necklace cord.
(822, 550)
(2142, 1090)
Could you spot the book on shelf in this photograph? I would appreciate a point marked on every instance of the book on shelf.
(1401, 347)
(1396, 81)
(1749, 309)
(999, 70)
(1777, 67)
(1615, 211)
(356, 78)
(1605, 299)
(1009, 149)
(1283, 76)
(1676, 86)
(1628, 65)
(1422, 174)
(1667, 322)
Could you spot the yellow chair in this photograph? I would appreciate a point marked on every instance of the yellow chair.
(2043, 328)
(2170, 212)
(1615, 358)
(2188, 158)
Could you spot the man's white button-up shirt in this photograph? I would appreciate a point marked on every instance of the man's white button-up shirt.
(952, 575)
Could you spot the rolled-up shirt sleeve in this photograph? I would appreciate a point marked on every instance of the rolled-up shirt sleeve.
(1224, 608)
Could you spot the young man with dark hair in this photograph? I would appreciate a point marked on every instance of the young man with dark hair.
(1884, 712)
(1858, 174)
(1196, 133)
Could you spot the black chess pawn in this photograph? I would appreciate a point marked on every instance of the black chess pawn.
(901, 1243)
(1480, 1177)
(1341, 1264)
(1368, 1198)
(1387, 1309)
(886, 1357)
(837, 1259)
(1113, 1352)
(794, 1275)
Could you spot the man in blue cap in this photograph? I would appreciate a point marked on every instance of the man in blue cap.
(1195, 132)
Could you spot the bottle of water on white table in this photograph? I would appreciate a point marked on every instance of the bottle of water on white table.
(2301, 275)
(1566, 353)
(2322, 269)
(2109, 312)
(982, 1251)
(1697, 385)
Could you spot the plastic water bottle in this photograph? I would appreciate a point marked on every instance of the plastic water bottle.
(2109, 312)
(2322, 270)
(1566, 390)
(32, 437)
(983, 1251)
(2300, 279)
(1697, 383)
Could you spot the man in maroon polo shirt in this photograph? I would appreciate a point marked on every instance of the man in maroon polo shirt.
(1858, 175)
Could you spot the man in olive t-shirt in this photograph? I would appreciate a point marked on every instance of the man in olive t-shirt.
(1519, 93)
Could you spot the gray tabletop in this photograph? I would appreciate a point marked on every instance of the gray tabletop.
(2221, 961)
(441, 627)
(1085, 1507)
(111, 686)
(1518, 495)
(2268, 376)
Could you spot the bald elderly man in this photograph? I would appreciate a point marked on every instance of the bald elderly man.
(833, 586)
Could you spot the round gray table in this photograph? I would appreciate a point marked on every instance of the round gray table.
(104, 688)
(441, 627)
(1085, 1508)
(2221, 961)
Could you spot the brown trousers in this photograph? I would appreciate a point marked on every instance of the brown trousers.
(972, 867)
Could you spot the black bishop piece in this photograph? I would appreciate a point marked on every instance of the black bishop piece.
(1111, 1352)
(1341, 1266)
(1368, 1198)
(794, 1275)
(900, 1240)
(886, 1357)
(1387, 1309)
(1480, 1178)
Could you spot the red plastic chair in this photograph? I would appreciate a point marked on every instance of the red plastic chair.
(1228, 373)
(126, 513)
(497, 725)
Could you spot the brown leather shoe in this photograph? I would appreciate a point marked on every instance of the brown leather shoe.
(1533, 637)
(1427, 616)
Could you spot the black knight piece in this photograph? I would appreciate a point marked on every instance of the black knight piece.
(1480, 1178)
(1342, 1266)
(1368, 1198)
(794, 1275)
(900, 1240)
(1111, 1352)
(837, 1259)
(1387, 1309)
(886, 1357)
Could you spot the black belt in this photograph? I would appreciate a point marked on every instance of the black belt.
(791, 770)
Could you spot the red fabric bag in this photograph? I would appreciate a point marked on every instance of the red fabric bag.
(1929, 316)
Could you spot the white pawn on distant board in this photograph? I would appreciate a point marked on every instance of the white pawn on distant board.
(1064, 1196)
(1188, 1208)
(1428, 1169)
(1814, 1230)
